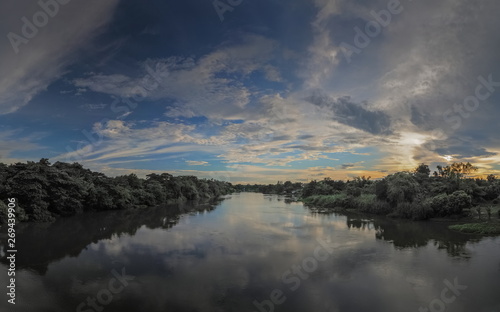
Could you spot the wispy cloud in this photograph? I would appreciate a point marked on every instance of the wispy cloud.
(14, 142)
(197, 163)
(208, 86)
(46, 56)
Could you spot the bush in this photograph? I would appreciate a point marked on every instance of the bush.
(353, 190)
(3, 212)
(330, 201)
(459, 200)
(370, 204)
(401, 187)
(414, 210)
(20, 213)
(39, 213)
(381, 207)
(446, 205)
(439, 204)
(477, 228)
(381, 189)
(365, 201)
(422, 210)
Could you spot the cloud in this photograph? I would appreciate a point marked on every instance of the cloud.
(353, 114)
(196, 163)
(322, 53)
(263, 110)
(45, 57)
(209, 86)
(13, 141)
(458, 148)
(117, 141)
(347, 166)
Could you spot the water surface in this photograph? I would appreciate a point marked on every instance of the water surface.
(245, 252)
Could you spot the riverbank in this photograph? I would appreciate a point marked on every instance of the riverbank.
(483, 219)
(478, 221)
(484, 228)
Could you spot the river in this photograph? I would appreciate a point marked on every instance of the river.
(250, 252)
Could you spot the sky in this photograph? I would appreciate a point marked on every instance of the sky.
(251, 91)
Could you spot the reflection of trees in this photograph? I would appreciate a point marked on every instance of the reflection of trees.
(39, 244)
(411, 234)
(362, 224)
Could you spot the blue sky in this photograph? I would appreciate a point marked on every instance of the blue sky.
(251, 91)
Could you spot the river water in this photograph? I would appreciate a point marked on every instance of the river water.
(250, 252)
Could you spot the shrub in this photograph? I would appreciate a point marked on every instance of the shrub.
(446, 205)
(364, 201)
(477, 228)
(415, 210)
(401, 187)
(381, 189)
(20, 213)
(353, 190)
(331, 201)
(458, 201)
(3, 212)
(370, 204)
(439, 204)
(39, 213)
(381, 207)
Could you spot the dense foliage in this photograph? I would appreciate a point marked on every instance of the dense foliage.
(46, 191)
(414, 195)
(286, 188)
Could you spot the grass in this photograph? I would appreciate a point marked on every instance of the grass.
(490, 228)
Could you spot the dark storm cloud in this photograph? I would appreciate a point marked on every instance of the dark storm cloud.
(347, 166)
(305, 137)
(354, 114)
(458, 148)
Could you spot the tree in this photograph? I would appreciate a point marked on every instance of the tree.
(310, 189)
(462, 169)
(381, 189)
(401, 187)
(423, 169)
(491, 178)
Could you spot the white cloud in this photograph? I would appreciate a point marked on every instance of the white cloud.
(196, 163)
(323, 54)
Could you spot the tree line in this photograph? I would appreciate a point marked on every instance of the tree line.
(45, 192)
(415, 194)
(280, 188)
